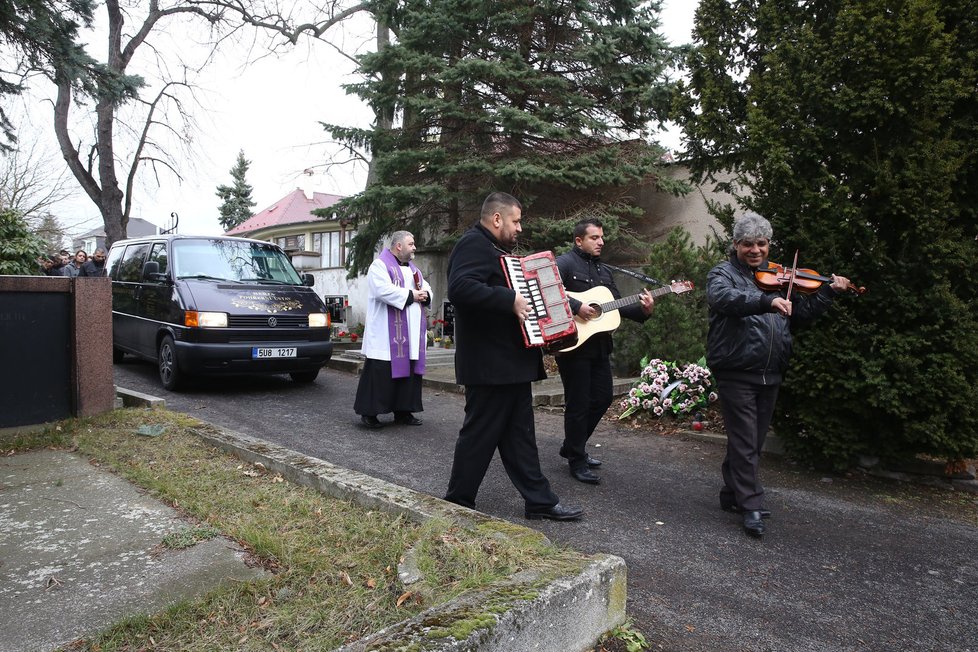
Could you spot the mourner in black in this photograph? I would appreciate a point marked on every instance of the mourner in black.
(94, 266)
(495, 366)
(747, 349)
(586, 370)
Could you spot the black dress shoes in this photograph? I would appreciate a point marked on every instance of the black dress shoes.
(728, 506)
(753, 524)
(591, 462)
(371, 422)
(408, 420)
(585, 475)
(556, 513)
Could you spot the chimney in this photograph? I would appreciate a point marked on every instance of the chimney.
(307, 184)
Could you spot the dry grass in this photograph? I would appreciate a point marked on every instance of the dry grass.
(332, 564)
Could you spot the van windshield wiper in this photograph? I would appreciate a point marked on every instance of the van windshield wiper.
(205, 277)
(265, 281)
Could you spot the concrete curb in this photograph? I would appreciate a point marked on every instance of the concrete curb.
(565, 615)
(558, 617)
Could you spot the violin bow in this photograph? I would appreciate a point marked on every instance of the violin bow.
(791, 283)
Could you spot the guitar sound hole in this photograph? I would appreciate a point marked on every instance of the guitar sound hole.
(597, 310)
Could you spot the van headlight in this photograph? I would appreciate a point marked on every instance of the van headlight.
(195, 319)
(318, 320)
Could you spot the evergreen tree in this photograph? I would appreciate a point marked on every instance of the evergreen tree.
(852, 125)
(547, 100)
(236, 198)
(19, 248)
(50, 231)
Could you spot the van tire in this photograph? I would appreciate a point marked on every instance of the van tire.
(304, 376)
(170, 375)
(117, 355)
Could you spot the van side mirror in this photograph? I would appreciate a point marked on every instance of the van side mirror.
(151, 272)
(308, 280)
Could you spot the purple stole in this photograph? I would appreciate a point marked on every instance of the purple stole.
(397, 326)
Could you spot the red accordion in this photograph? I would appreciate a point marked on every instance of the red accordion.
(551, 322)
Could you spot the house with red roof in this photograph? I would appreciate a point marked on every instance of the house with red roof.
(316, 246)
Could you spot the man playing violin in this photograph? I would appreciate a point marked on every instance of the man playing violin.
(748, 348)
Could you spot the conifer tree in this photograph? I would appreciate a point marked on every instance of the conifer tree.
(236, 198)
(547, 100)
(851, 125)
(19, 248)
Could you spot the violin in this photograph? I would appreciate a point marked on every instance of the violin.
(807, 281)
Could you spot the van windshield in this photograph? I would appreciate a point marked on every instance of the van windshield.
(232, 260)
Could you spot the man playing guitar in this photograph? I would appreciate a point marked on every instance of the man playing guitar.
(585, 371)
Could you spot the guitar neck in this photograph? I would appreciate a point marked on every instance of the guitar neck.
(633, 298)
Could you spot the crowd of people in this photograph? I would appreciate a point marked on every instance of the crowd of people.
(79, 265)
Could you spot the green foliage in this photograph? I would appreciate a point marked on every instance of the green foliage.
(19, 248)
(188, 537)
(677, 329)
(633, 639)
(236, 198)
(851, 124)
(546, 100)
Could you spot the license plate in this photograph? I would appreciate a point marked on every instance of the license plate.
(272, 352)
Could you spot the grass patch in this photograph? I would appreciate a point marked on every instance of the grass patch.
(332, 564)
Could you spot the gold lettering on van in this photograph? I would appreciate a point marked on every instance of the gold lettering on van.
(265, 302)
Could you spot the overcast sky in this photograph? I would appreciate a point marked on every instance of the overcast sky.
(271, 109)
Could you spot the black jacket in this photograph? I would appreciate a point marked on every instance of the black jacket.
(90, 268)
(747, 341)
(579, 272)
(489, 348)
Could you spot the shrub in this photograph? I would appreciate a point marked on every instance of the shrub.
(677, 328)
(19, 248)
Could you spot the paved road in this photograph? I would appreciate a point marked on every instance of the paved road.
(848, 563)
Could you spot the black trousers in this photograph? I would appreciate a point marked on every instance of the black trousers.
(498, 417)
(588, 393)
(747, 410)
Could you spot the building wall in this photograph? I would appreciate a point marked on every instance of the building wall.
(664, 212)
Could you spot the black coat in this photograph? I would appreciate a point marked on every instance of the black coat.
(489, 348)
(747, 341)
(89, 268)
(579, 272)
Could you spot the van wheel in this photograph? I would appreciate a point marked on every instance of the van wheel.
(304, 376)
(117, 355)
(170, 374)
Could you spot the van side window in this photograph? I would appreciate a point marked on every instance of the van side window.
(114, 262)
(158, 254)
(131, 267)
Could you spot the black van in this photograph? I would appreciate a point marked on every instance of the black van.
(201, 305)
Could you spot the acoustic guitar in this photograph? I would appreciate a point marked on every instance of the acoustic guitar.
(608, 318)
